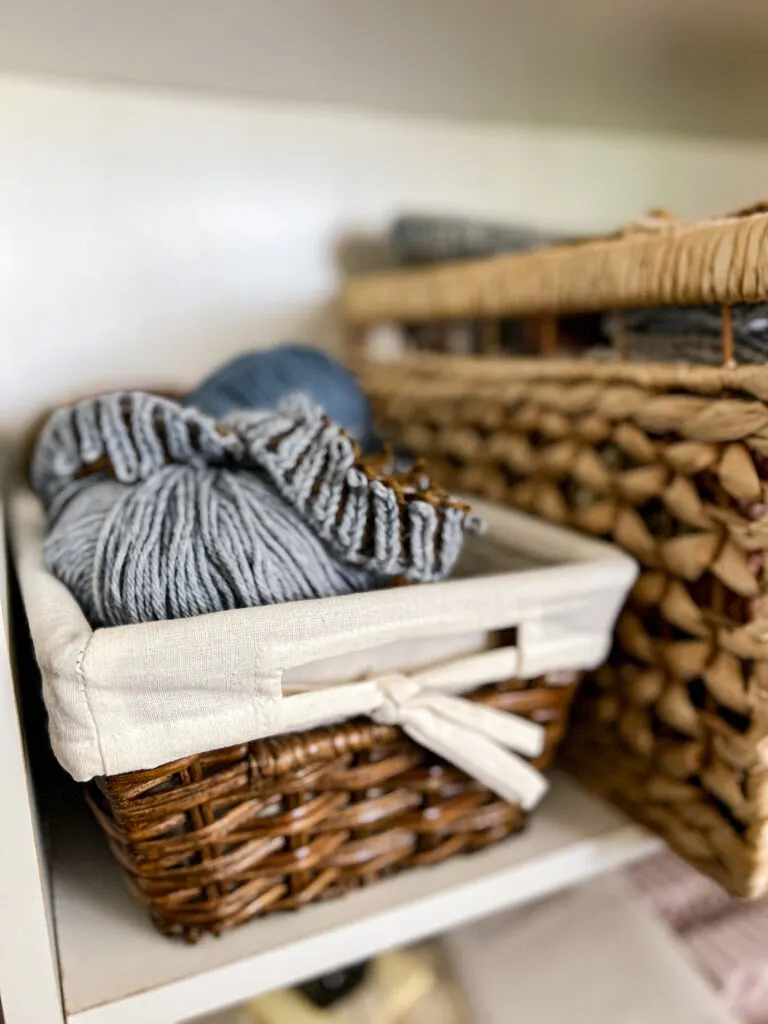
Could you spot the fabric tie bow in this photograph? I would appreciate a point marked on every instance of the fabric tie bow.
(483, 741)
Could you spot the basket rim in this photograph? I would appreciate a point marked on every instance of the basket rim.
(415, 372)
(657, 262)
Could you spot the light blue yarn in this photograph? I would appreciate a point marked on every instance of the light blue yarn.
(261, 379)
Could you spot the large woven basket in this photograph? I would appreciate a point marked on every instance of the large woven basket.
(669, 461)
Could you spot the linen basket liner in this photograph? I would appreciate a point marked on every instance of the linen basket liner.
(130, 697)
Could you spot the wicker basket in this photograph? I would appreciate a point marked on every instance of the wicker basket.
(668, 461)
(324, 743)
(210, 841)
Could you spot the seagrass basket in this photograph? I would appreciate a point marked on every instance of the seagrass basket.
(668, 460)
(262, 759)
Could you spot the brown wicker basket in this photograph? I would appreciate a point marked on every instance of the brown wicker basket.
(670, 461)
(309, 747)
(210, 841)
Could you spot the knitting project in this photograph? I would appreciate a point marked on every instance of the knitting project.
(158, 511)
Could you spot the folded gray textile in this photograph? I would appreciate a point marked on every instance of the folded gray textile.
(430, 239)
(691, 334)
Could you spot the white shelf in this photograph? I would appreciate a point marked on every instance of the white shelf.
(29, 988)
(684, 67)
(116, 969)
(630, 968)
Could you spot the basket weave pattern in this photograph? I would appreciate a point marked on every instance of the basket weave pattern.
(672, 464)
(212, 840)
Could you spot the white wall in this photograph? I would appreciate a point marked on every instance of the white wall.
(144, 237)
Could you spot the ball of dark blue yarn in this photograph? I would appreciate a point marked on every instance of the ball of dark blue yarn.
(259, 380)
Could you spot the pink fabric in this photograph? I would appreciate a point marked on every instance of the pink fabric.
(681, 895)
(728, 938)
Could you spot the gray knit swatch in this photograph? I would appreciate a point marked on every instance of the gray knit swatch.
(131, 434)
(365, 521)
(158, 512)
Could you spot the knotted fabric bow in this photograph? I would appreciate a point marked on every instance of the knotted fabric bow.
(482, 741)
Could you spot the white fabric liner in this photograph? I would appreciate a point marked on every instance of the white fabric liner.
(131, 697)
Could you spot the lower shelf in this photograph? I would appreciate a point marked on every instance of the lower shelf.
(116, 969)
(629, 968)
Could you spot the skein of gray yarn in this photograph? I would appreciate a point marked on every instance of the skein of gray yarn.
(157, 512)
(187, 541)
(169, 541)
